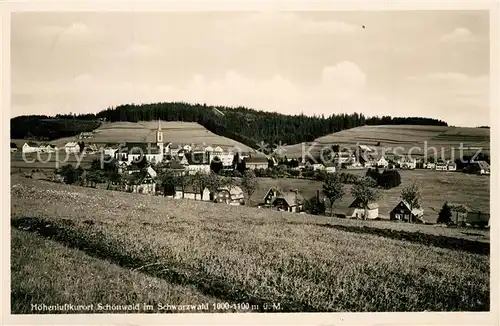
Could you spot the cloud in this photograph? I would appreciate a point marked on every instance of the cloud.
(459, 35)
(456, 93)
(339, 88)
(286, 23)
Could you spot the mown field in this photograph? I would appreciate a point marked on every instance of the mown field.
(437, 187)
(49, 161)
(233, 254)
(392, 136)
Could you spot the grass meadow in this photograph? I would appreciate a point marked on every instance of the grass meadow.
(436, 187)
(199, 250)
(392, 136)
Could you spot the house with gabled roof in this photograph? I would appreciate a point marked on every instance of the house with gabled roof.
(356, 210)
(30, 147)
(290, 200)
(232, 195)
(72, 147)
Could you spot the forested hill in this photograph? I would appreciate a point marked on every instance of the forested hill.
(245, 125)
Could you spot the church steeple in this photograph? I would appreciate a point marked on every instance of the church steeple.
(159, 137)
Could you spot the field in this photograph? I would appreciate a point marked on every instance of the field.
(212, 251)
(406, 137)
(48, 161)
(436, 188)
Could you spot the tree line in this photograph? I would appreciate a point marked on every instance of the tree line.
(248, 126)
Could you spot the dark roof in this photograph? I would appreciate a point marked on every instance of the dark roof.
(13, 145)
(176, 165)
(292, 198)
(416, 211)
(357, 204)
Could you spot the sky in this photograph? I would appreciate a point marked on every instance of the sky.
(403, 63)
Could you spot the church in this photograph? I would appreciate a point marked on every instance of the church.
(132, 152)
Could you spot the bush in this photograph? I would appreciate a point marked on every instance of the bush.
(348, 178)
(444, 216)
(314, 206)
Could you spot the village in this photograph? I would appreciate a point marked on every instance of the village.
(142, 168)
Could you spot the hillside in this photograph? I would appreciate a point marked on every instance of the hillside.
(247, 126)
(241, 254)
(404, 136)
(145, 131)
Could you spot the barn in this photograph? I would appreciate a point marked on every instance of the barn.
(356, 210)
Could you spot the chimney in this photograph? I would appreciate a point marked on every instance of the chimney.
(317, 195)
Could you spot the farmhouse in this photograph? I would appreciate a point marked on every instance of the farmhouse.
(72, 147)
(13, 147)
(142, 184)
(343, 158)
(290, 201)
(430, 165)
(452, 166)
(191, 192)
(173, 149)
(318, 166)
(407, 163)
(230, 195)
(110, 150)
(30, 147)
(177, 168)
(382, 162)
(134, 152)
(195, 167)
(441, 166)
(84, 135)
(356, 210)
(256, 162)
(402, 212)
(330, 168)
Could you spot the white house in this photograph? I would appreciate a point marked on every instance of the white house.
(110, 151)
(191, 192)
(430, 165)
(441, 166)
(356, 210)
(226, 158)
(318, 166)
(330, 168)
(173, 149)
(452, 166)
(72, 147)
(230, 195)
(193, 168)
(382, 162)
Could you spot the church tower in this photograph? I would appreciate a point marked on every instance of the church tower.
(159, 138)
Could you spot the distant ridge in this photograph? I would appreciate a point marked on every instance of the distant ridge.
(247, 126)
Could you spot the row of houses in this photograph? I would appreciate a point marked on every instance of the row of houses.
(33, 147)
